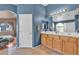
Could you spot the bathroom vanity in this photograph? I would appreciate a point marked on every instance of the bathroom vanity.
(65, 43)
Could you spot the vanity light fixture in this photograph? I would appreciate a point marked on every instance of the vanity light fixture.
(60, 11)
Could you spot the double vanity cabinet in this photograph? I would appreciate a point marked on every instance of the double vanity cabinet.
(65, 44)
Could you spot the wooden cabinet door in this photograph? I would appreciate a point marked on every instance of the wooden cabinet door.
(57, 43)
(78, 46)
(49, 41)
(69, 45)
(44, 39)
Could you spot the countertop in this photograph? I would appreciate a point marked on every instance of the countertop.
(61, 34)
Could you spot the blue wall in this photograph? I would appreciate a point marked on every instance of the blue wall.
(8, 7)
(25, 9)
(39, 15)
(55, 7)
(77, 23)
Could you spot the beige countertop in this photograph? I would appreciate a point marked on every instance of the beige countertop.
(61, 34)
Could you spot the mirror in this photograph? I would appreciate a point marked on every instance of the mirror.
(45, 26)
(59, 27)
(65, 27)
(38, 27)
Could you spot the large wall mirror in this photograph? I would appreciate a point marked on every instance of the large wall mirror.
(65, 27)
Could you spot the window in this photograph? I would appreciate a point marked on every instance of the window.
(5, 27)
(60, 27)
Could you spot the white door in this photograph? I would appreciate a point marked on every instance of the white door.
(25, 30)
